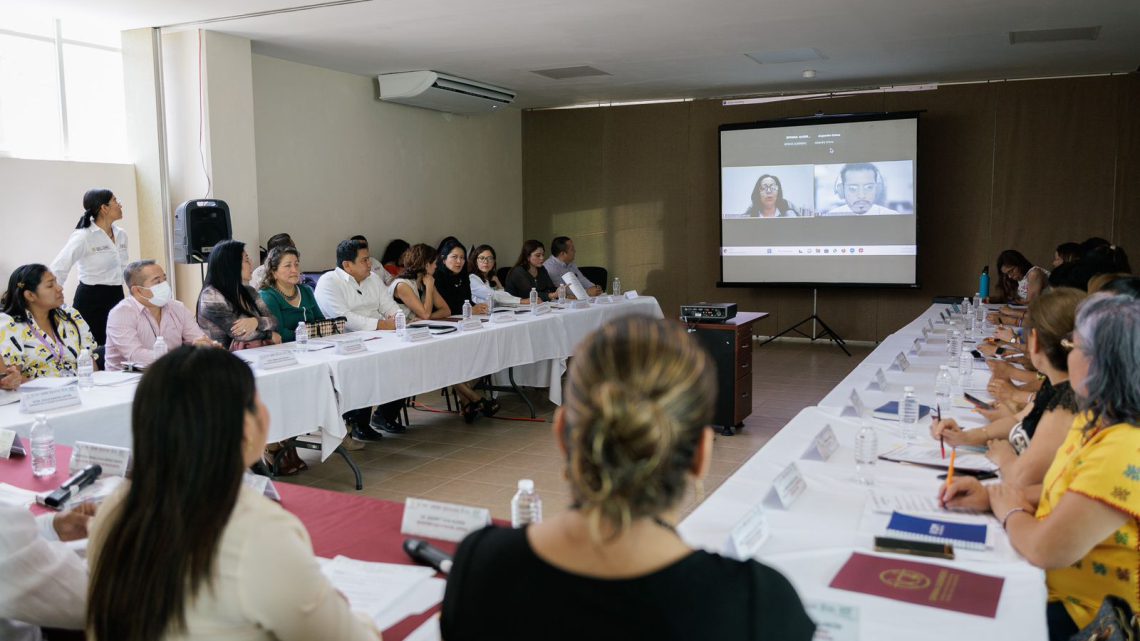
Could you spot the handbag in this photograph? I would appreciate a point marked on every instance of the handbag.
(1114, 621)
(327, 327)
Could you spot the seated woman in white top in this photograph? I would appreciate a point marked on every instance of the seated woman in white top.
(39, 334)
(414, 290)
(485, 285)
(185, 549)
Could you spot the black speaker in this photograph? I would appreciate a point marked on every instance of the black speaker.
(198, 226)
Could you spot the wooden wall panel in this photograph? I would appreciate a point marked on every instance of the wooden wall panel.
(638, 188)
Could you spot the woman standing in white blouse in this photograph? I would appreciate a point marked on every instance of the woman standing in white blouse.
(99, 247)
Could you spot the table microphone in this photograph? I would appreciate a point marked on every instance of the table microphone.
(426, 553)
(80, 480)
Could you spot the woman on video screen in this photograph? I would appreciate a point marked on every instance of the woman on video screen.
(768, 200)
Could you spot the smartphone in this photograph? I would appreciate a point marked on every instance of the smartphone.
(977, 402)
(916, 548)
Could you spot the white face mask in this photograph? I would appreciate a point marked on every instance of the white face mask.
(160, 294)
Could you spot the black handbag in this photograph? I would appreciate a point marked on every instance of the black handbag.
(1114, 621)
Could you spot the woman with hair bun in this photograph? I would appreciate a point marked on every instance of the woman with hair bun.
(635, 435)
(99, 247)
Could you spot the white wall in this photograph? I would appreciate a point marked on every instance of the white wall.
(332, 162)
(43, 199)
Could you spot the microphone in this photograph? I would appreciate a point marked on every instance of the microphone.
(80, 480)
(426, 553)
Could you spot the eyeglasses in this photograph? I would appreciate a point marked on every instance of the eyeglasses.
(855, 189)
(486, 259)
(769, 188)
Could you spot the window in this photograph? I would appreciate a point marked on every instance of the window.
(61, 89)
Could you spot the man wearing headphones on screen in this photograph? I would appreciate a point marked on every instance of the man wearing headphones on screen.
(861, 185)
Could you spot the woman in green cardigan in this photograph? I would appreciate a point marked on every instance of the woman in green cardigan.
(287, 298)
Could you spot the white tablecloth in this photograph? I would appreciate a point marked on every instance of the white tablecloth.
(811, 541)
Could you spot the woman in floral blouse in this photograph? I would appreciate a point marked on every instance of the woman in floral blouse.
(39, 335)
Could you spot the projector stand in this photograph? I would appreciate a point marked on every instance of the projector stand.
(814, 318)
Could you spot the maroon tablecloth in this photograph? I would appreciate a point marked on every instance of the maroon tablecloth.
(355, 526)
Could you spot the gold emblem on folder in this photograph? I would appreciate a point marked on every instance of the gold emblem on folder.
(904, 579)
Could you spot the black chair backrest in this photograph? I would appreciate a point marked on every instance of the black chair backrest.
(597, 275)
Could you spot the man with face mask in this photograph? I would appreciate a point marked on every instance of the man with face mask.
(149, 312)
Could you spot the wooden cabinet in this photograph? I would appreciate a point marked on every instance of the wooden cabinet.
(730, 345)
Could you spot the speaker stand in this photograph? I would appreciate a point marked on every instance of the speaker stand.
(815, 333)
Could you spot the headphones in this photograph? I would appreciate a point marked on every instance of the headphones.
(879, 185)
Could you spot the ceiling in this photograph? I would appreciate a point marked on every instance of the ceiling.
(661, 49)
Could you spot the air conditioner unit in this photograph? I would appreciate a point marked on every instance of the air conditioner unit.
(434, 90)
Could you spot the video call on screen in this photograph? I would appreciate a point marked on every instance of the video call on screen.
(831, 202)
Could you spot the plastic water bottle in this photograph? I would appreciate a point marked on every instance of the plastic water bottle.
(301, 337)
(85, 370)
(908, 413)
(617, 286)
(562, 294)
(866, 453)
(979, 314)
(160, 348)
(943, 383)
(965, 367)
(466, 310)
(533, 298)
(966, 308)
(42, 439)
(526, 506)
(401, 323)
(955, 346)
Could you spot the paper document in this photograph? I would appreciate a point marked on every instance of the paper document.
(105, 379)
(7, 397)
(48, 382)
(932, 457)
(911, 503)
(374, 588)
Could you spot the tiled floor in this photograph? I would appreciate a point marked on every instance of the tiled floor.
(443, 459)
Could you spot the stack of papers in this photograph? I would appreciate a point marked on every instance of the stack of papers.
(932, 457)
(387, 592)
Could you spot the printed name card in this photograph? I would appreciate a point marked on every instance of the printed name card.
(417, 334)
(7, 439)
(956, 309)
(855, 405)
(540, 309)
(930, 324)
(925, 333)
(275, 359)
(823, 445)
(879, 382)
(900, 364)
(631, 294)
(787, 487)
(580, 304)
(748, 535)
(446, 521)
(116, 461)
(470, 324)
(502, 317)
(833, 621)
(352, 345)
(916, 348)
(49, 399)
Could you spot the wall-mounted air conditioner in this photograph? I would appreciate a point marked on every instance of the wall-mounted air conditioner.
(434, 90)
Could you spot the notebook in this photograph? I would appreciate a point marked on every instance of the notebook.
(890, 411)
(916, 528)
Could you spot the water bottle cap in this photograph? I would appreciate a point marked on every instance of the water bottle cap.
(526, 485)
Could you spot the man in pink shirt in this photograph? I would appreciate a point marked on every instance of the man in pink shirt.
(149, 312)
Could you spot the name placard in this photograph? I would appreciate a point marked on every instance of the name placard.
(879, 382)
(416, 334)
(276, 359)
(7, 438)
(446, 521)
(823, 445)
(787, 487)
(580, 304)
(748, 535)
(116, 461)
(352, 345)
(900, 364)
(540, 309)
(503, 317)
(262, 485)
(470, 324)
(855, 405)
(49, 399)
(631, 294)
(916, 347)
(930, 324)
(925, 333)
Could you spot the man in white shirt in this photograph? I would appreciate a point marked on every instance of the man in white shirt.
(561, 261)
(354, 292)
(45, 583)
(860, 185)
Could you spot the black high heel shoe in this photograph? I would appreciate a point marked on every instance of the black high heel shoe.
(490, 407)
(470, 412)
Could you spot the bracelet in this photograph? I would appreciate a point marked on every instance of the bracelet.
(1010, 513)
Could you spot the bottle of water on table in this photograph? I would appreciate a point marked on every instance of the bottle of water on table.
(955, 347)
(85, 369)
(617, 286)
(533, 298)
(466, 310)
(866, 453)
(965, 367)
(401, 323)
(526, 506)
(301, 337)
(42, 439)
(908, 413)
(943, 383)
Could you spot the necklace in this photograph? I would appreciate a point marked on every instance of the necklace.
(295, 296)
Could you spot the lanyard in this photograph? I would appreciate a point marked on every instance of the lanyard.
(56, 346)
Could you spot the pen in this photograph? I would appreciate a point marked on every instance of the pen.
(941, 439)
(950, 471)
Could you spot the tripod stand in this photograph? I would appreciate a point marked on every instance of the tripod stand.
(814, 318)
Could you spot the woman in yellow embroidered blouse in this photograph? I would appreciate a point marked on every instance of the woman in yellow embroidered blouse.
(40, 335)
(1087, 519)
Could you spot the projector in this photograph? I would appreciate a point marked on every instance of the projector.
(708, 312)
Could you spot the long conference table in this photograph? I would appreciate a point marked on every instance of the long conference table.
(323, 385)
(812, 539)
